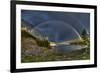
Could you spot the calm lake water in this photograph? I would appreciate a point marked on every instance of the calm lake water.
(67, 48)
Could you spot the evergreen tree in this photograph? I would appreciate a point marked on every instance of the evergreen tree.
(84, 33)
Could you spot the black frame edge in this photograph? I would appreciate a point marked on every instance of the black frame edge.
(56, 68)
(55, 4)
(95, 36)
(12, 36)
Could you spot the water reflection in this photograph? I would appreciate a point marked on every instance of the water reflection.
(67, 48)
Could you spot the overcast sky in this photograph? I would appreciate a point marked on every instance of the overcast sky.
(58, 26)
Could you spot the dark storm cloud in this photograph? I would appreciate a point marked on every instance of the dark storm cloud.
(54, 30)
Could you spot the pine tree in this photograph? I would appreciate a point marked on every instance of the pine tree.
(84, 33)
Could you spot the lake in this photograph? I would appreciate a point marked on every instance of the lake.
(67, 48)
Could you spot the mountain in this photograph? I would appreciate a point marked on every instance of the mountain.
(26, 24)
(30, 29)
